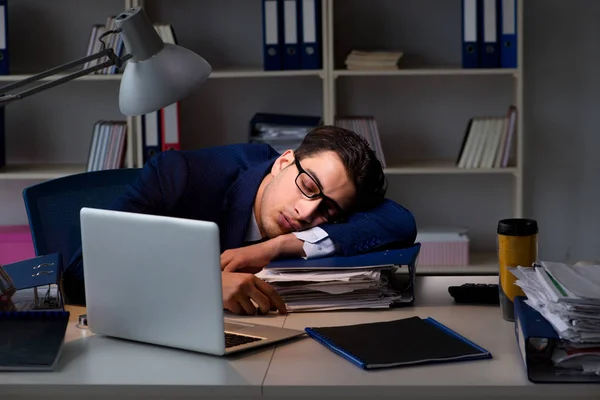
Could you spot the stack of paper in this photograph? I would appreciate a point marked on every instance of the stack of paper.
(568, 296)
(333, 290)
(338, 283)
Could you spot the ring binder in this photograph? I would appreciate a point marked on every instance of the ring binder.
(36, 273)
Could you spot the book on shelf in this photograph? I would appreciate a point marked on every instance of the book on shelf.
(108, 146)
(366, 126)
(373, 60)
(488, 141)
(115, 42)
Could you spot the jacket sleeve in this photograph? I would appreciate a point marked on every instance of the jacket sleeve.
(159, 186)
(385, 226)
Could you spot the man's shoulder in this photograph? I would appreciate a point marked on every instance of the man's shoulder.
(238, 153)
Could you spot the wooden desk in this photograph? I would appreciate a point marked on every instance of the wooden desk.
(93, 366)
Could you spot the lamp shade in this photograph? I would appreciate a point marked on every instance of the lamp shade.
(158, 74)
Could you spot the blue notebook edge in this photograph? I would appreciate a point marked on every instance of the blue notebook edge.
(354, 360)
(484, 353)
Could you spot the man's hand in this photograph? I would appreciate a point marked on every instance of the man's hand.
(240, 288)
(256, 256)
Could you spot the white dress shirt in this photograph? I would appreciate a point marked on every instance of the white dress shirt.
(316, 241)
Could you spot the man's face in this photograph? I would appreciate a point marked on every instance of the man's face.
(284, 208)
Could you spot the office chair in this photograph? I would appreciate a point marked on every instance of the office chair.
(53, 207)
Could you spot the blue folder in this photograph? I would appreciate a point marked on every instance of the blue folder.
(471, 33)
(405, 256)
(4, 58)
(507, 23)
(537, 340)
(407, 342)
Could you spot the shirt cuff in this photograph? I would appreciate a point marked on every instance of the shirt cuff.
(316, 242)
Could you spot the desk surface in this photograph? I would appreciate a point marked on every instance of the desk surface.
(98, 365)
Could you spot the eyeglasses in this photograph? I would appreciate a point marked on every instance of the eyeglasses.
(310, 188)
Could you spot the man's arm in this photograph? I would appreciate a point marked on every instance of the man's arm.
(386, 225)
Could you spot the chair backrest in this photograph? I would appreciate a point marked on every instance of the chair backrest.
(53, 207)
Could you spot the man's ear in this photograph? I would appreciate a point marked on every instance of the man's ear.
(285, 159)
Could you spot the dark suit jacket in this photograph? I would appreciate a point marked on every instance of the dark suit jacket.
(219, 184)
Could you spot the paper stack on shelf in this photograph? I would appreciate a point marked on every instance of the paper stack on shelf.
(373, 60)
(568, 297)
(373, 280)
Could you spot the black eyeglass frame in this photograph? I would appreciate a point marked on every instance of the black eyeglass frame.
(341, 214)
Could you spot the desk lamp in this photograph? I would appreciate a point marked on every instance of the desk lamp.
(157, 74)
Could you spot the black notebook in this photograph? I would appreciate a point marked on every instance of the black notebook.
(31, 340)
(402, 342)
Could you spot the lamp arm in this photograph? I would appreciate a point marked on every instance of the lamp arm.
(113, 59)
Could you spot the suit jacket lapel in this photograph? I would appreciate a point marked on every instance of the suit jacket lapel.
(237, 207)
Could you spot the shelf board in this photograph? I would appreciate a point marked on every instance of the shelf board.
(480, 264)
(259, 73)
(40, 171)
(428, 71)
(441, 167)
(216, 74)
(92, 77)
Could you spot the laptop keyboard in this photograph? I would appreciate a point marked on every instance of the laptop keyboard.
(232, 339)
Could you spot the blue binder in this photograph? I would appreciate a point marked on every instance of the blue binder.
(470, 33)
(309, 23)
(404, 257)
(34, 272)
(291, 42)
(272, 11)
(151, 135)
(4, 58)
(2, 138)
(489, 45)
(507, 23)
(537, 340)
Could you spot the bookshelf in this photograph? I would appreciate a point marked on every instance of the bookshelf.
(422, 109)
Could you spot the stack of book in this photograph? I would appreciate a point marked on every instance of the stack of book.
(568, 298)
(488, 141)
(373, 60)
(373, 280)
(114, 41)
(366, 126)
(108, 146)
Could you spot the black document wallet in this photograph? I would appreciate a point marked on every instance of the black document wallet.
(401, 342)
(31, 340)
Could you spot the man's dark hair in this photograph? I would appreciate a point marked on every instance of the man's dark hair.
(362, 165)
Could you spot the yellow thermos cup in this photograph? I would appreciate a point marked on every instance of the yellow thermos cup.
(517, 246)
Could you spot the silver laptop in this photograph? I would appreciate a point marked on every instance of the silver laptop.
(157, 280)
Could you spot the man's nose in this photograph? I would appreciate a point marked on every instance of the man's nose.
(307, 209)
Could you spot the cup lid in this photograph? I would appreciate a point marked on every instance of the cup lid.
(517, 227)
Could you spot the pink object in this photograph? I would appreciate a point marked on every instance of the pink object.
(15, 244)
(443, 247)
